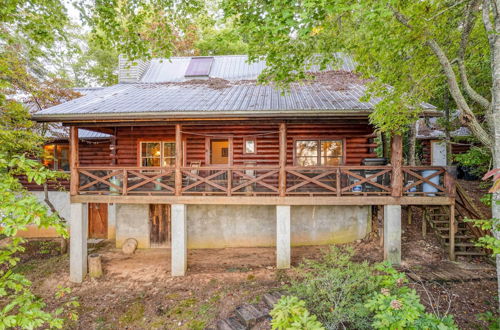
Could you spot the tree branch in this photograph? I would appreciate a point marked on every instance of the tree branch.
(466, 115)
(468, 25)
(488, 26)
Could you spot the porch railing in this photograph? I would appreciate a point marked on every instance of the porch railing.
(336, 181)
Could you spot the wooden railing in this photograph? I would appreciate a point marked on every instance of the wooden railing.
(265, 180)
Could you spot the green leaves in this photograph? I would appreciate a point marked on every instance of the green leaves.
(290, 313)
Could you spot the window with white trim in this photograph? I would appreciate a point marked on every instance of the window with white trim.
(313, 152)
(157, 153)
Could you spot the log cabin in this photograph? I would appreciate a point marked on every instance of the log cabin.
(204, 157)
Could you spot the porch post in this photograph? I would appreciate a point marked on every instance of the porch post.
(73, 161)
(178, 160)
(179, 240)
(282, 160)
(397, 162)
(283, 240)
(78, 242)
(392, 234)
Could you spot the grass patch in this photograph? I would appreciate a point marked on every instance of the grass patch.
(133, 314)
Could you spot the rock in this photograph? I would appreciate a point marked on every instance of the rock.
(249, 315)
(230, 323)
(129, 246)
(270, 300)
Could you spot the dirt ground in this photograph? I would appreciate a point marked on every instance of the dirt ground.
(137, 291)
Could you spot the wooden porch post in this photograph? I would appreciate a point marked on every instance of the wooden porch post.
(73, 162)
(397, 162)
(282, 160)
(451, 237)
(178, 160)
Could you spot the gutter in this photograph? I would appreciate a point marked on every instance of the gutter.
(145, 116)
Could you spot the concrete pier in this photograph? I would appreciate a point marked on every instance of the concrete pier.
(392, 234)
(283, 241)
(179, 240)
(78, 242)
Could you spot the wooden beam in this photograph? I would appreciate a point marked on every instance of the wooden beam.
(262, 200)
(178, 160)
(397, 163)
(452, 233)
(73, 160)
(282, 160)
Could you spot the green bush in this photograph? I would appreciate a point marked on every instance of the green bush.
(291, 313)
(335, 289)
(396, 306)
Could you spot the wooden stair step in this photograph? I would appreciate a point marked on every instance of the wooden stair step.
(470, 253)
(462, 244)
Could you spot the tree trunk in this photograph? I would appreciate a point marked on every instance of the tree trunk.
(495, 208)
(412, 141)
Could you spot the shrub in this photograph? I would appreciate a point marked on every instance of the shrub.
(291, 313)
(335, 289)
(396, 306)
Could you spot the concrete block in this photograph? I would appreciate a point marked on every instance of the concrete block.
(283, 242)
(392, 234)
(231, 323)
(112, 221)
(78, 242)
(179, 240)
(249, 315)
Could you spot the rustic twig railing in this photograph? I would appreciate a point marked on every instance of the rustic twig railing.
(263, 180)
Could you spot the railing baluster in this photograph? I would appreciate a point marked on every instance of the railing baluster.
(229, 182)
(337, 183)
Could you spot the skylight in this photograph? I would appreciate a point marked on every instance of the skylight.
(199, 67)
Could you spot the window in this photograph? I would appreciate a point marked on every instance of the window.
(219, 151)
(199, 67)
(318, 152)
(56, 157)
(249, 146)
(158, 153)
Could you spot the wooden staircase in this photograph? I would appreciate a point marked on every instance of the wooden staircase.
(464, 235)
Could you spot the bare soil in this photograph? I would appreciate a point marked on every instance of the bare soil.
(137, 291)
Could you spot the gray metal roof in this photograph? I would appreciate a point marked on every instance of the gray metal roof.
(228, 67)
(429, 128)
(62, 133)
(163, 91)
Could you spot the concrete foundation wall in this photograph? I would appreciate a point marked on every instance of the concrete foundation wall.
(219, 226)
(60, 200)
(132, 221)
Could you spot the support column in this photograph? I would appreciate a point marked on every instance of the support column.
(178, 160)
(73, 161)
(283, 240)
(179, 240)
(78, 242)
(392, 234)
(112, 220)
(397, 162)
(282, 160)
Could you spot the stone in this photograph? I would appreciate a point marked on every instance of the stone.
(248, 315)
(129, 246)
(230, 323)
(270, 300)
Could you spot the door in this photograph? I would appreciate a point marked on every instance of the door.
(159, 225)
(98, 220)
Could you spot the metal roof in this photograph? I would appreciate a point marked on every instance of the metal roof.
(62, 133)
(228, 67)
(163, 91)
(429, 128)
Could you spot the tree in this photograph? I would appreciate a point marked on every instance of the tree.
(28, 30)
(413, 46)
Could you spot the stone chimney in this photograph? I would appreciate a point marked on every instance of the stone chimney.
(130, 71)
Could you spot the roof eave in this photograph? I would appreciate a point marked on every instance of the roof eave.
(93, 117)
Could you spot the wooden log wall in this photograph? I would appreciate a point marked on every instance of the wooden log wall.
(358, 135)
(92, 153)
